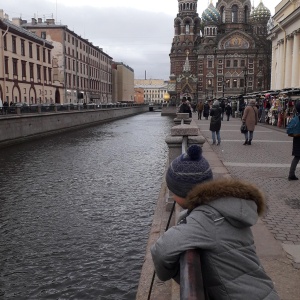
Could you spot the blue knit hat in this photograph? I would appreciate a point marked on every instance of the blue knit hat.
(188, 170)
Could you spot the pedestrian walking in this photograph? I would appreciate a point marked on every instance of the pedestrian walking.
(222, 105)
(199, 109)
(228, 111)
(206, 109)
(217, 221)
(296, 150)
(215, 122)
(250, 117)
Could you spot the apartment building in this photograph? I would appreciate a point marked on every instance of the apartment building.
(26, 73)
(82, 68)
(123, 82)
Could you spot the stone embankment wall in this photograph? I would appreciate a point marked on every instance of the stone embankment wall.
(20, 128)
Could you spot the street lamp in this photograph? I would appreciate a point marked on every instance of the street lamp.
(245, 80)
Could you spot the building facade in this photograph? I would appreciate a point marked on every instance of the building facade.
(123, 83)
(224, 54)
(82, 68)
(154, 90)
(284, 33)
(26, 73)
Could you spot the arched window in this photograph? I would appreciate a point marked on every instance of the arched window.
(222, 11)
(234, 14)
(187, 28)
(246, 14)
(178, 29)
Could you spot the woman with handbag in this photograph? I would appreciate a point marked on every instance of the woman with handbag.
(250, 117)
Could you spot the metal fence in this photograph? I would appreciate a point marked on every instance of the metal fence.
(48, 108)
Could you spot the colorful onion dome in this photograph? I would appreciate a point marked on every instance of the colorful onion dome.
(260, 13)
(211, 15)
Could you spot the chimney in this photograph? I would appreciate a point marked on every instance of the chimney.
(50, 21)
(40, 20)
(17, 21)
(33, 21)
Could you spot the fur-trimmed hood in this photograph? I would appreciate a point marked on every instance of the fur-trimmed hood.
(238, 202)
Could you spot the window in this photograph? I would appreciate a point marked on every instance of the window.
(15, 67)
(222, 11)
(235, 63)
(234, 84)
(246, 14)
(45, 74)
(44, 55)
(50, 74)
(259, 82)
(260, 63)
(228, 83)
(22, 47)
(38, 70)
(14, 44)
(23, 68)
(38, 52)
(210, 64)
(228, 63)
(5, 42)
(234, 14)
(6, 64)
(242, 82)
(31, 70)
(43, 35)
(242, 63)
(30, 50)
(49, 56)
(209, 83)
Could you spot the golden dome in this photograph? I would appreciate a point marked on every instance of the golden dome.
(166, 96)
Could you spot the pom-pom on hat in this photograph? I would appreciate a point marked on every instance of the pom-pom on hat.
(188, 170)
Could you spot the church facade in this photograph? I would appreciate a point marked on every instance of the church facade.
(225, 53)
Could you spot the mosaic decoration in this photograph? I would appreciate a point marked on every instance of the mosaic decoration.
(211, 15)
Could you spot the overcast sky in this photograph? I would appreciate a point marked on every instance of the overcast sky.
(137, 33)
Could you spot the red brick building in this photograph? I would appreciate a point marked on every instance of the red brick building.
(224, 54)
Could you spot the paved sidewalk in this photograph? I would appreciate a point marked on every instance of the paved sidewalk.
(265, 163)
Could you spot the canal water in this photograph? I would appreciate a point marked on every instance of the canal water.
(76, 210)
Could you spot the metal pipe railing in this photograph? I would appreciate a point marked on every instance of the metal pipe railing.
(191, 280)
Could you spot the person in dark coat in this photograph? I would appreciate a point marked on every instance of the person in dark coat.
(296, 150)
(228, 111)
(199, 109)
(185, 107)
(206, 110)
(250, 118)
(215, 122)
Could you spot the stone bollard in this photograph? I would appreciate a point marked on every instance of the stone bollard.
(55, 108)
(182, 116)
(69, 107)
(191, 133)
(39, 109)
(18, 109)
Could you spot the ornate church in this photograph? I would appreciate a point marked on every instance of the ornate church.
(225, 53)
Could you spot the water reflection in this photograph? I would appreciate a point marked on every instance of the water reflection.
(76, 209)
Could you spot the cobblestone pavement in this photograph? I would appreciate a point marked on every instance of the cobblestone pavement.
(265, 163)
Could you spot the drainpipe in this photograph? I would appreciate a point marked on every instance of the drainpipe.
(3, 66)
(284, 54)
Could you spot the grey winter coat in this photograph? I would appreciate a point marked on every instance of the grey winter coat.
(220, 214)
